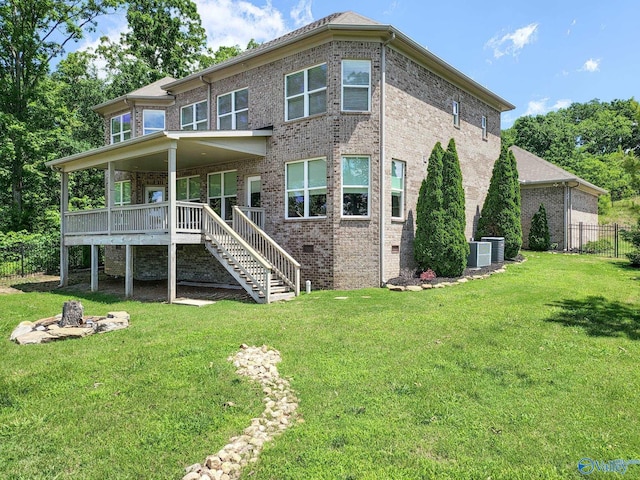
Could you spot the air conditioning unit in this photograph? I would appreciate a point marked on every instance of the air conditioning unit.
(480, 254)
(497, 248)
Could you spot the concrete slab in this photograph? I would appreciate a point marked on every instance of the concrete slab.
(193, 302)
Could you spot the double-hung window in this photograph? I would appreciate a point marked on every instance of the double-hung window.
(355, 187)
(397, 188)
(122, 193)
(455, 110)
(356, 85)
(306, 92)
(233, 110)
(222, 192)
(188, 189)
(194, 116)
(152, 121)
(306, 184)
(121, 128)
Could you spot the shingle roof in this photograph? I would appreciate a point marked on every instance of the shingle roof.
(153, 89)
(533, 170)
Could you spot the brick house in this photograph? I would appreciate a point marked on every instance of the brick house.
(312, 146)
(567, 198)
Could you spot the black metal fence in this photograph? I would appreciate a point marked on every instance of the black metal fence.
(602, 240)
(26, 258)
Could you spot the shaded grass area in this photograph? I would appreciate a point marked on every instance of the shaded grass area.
(517, 376)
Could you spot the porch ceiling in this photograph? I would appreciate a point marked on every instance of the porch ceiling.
(150, 152)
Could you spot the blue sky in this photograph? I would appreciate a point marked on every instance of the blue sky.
(539, 55)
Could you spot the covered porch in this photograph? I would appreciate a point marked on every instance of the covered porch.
(247, 252)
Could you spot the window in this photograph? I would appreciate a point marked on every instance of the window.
(484, 127)
(456, 114)
(356, 85)
(233, 110)
(121, 128)
(188, 189)
(397, 188)
(223, 188)
(355, 186)
(194, 116)
(152, 121)
(306, 92)
(122, 193)
(306, 183)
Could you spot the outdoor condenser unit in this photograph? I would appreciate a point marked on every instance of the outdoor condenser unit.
(497, 248)
(480, 254)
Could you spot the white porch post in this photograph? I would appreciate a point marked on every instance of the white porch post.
(111, 192)
(64, 250)
(128, 275)
(95, 253)
(171, 257)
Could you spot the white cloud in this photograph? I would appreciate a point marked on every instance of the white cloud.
(512, 43)
(591, 65)
(391, 8)
(541, 106)
(301, 13)
(570, 26)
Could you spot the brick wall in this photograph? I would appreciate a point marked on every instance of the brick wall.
(553, 200)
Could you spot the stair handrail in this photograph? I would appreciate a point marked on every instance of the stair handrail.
(213, 216)
(238, 217)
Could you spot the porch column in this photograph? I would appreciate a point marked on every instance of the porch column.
(171, 257)
(64, 250)
(95, 253)
(128, 275)
(111, 183)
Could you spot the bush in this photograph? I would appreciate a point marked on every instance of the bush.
(598, 246)
(539, 239)
(633, 236)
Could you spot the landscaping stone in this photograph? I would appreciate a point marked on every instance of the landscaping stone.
(259, 364)
(413, 288)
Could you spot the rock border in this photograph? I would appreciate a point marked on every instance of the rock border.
(259, 364)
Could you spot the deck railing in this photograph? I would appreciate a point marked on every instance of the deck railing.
(189, 217)
(145, 218)
(285, 266)
(255, 214)
(87, 222)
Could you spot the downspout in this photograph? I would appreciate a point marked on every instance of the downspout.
(566, 219)
(208, 101)
(381, 179)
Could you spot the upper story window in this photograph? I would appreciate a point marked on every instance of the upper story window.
(122, 193)
(194, 116)
(188, 189)
(121, 128)
(355, 186)
(455, 110)
(484, 127)
(306, 184)
(397, 188)
(152, 121)
(222, 193)
(233, 110)
(356, 85)
(306, 92)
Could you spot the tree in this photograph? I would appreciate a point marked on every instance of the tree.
(500, 214)
(430, 215)
(539, 239)
(455, 249)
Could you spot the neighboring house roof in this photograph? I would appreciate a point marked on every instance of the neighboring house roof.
(345, 25)
(152, 94)
(533, 170)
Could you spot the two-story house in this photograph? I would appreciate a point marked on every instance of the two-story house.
(297, 160)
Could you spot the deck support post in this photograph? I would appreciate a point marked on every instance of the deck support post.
(95, 253)
(171, 254)
(64, 250)
(128, 275)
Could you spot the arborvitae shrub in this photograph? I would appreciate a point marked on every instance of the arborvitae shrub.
(429, 214)
(539, 238)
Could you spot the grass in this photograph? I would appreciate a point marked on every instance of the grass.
(623, 212)
(515, 377)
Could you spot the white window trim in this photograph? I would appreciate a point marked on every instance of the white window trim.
(483, 125)
(222, 196)
(455, 110)
(356, 217)
(189, 198)
(121, 133)
(119, 185)
(148, 131)
(306, 189)
(233, 113)
(305, 93)
(193, 122)
(368, 87)
(401, 190)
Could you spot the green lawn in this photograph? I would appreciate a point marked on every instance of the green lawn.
(515, 377)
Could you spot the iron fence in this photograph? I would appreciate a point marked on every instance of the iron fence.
(27, 258)
(603, 240)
